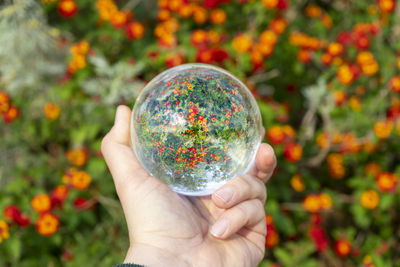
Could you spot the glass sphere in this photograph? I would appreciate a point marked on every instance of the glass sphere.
(195, 127)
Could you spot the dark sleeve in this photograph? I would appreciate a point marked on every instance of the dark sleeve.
(128, 265)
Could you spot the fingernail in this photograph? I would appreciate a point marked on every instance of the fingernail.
(219, 228)
(226, 194)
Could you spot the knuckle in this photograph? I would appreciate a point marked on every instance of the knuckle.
(242, 212)
(105, 142)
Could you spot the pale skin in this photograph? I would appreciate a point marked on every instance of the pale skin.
(226, 228)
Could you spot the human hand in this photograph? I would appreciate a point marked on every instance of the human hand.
(226, 228)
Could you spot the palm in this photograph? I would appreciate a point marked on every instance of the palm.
(184, 222)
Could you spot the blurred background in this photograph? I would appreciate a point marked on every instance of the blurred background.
(325, 75)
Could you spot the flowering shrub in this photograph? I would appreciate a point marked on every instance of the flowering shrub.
(326, 75)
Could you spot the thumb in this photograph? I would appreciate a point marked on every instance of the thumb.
(118, 154)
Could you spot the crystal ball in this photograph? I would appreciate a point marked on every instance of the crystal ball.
(195, 127)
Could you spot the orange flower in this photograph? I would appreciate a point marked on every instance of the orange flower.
(263, 50)
(305, 41)
(340, 97)
(134, 30)
(217, 16)
(364, 58)
(335, 49)
(278, 25)
(268, 37)
(355, 104)
(369, 199)
(242, 43)
(369, 147)
(312, 203)
(304, 55)
(51, 110)
(270, 3)
(67, 177)
(297, 183)
(313, 11)
(383, 129)
(293, 152)
(326, 20)
(81, 180)
(325, 201)
(60, 192)
(272, 238)
(394, 84)
(342, 247)
(370, 69)
(80, 48)
(11, 114)
(373, 169)
(199, 38)
(47, 224)
(275, 135)
(174, 5)
(387, 182)
(4, 234)
(345, 75)
(336, 168)
(213, 37)
(323, 140)
(199, 14)
(67, 8)
(326, 59)
(77, 157)
(4, 101)
(185, 10)
(119, 19)
(387, 5)
(106, 8)
(289, 131)
(164, 14)
(77, 62)
(41, 203)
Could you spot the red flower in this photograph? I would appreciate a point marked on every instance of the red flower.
(134, 30)
(67, 8)
(10, 212)
(283, 4)
(220, 55)
(22, 221)
(293, 152)
(58, 195)
(319, 238)
(13, 213)
(362, 43)
(393, 113)
(174, 60)
(81, 203)
(214, 3)
(345, 38)
(11, 114)
(204, 56)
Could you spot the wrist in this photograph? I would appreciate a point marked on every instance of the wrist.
(150, 256)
